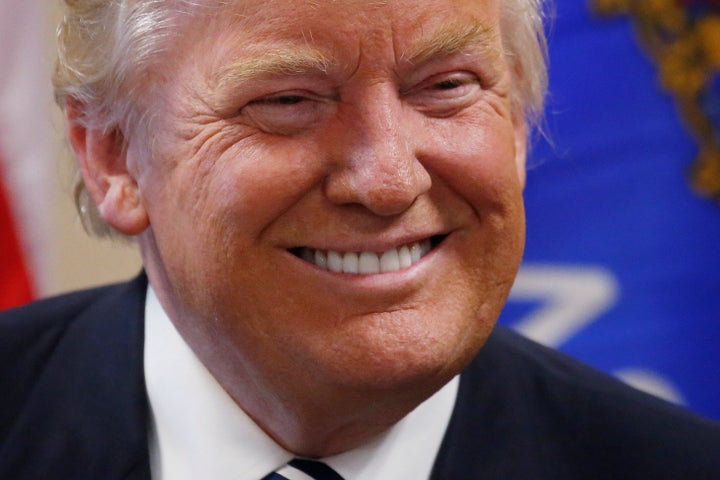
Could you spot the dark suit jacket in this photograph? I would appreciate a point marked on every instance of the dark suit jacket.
(73, 406)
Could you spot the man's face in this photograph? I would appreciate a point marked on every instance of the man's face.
(335, 199)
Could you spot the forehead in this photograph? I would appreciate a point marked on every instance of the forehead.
(326, 7)
(323, 23)
(224, 46)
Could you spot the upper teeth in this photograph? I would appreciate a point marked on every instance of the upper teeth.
(367, 263)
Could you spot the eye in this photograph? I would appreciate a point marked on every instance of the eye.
(281, 100)
(452, 85)
(445, 94)
(448, 84)
(285, 113)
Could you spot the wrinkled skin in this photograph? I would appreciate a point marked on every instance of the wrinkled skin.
(333, 125)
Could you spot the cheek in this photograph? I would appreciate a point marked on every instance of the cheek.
(479, 164)
(252, 186)
(226, 197)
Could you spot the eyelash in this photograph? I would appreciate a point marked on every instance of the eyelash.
(448, 84)
(282, 100)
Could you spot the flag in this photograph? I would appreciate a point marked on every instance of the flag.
(15, 287)
(26, 164)
(622, 266)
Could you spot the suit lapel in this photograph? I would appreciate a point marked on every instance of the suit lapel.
(86, 417)
(490, 433)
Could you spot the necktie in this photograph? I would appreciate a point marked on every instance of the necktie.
(301, 469)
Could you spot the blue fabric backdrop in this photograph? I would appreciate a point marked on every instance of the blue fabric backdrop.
(622, 266)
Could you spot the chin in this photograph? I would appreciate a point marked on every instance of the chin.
(419, 364)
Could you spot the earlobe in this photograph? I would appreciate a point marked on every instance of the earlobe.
(103, 163)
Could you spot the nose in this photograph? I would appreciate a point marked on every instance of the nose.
(376, 164)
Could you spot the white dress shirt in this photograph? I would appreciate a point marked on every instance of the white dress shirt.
(198, 431)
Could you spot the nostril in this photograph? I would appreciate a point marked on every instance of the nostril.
(384, 185)
(383, 195)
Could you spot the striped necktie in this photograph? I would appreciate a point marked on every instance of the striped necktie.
(301, 469)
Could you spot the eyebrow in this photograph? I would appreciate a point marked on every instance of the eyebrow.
(452, 39)
(307, 61)
(278, 62)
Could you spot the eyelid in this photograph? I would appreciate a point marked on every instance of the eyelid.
(463, 77)
(433, 100)
(473, 61)
(274, 98)
(271, 114)
(271, 98)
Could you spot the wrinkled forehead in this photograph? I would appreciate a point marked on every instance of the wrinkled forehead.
(316, 22)
(275, 12)
(285, 36)
(210, 38)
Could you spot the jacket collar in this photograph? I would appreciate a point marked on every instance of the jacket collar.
(86, 417)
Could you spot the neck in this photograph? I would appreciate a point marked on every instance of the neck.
(329, 424)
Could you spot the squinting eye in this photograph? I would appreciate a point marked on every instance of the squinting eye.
(282, 100)
(448, 84)
(284, 114)
(457, 81)
(445, 94)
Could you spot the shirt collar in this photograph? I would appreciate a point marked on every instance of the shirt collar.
(197, 431)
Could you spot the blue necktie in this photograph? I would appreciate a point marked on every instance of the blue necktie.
(316, 470)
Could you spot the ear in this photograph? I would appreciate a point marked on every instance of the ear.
(103, 163)
(520, 129)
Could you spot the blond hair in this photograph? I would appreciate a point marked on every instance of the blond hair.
(108, 51)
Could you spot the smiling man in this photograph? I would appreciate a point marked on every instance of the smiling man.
(327, 196)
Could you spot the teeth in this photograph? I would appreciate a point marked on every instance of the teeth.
(334, 261)
(350, 263)
(405, 257)
(367, 263)
(415, 252)
(390, 261)
(320, 259)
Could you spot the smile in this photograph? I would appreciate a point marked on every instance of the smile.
(368, 263)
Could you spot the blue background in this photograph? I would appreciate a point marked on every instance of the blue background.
(612, 192)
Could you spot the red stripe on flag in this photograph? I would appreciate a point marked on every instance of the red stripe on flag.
(15, 286)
